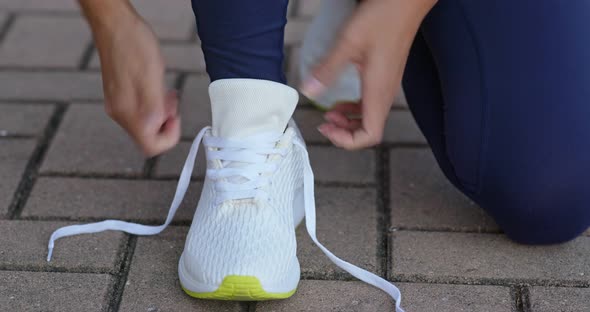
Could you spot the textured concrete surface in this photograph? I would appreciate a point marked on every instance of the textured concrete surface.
(472, 256)
(50, 85)
(13, 160)
(422, 198)
(169, 22)
(455, 298)
(23, 245)
(332, 165)
(178, 57)
(402, 129)
(43, 291)
(152, 284)
(195, 106)
(560, 299)
(388, 209)
(331, 296)
(24, 119)
(45, 41)
(39, 5)
(88, 141)
(347, 225)
(77, 198)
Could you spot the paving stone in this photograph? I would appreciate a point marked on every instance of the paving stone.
(455, 298)
(108, 199)
(295, 30)
(89, 142)
(308, 121)
(14, 156)
(401, 128)
(169, 165)
(554, 299)
(41, 291)
(292, 73)
(347, 225)
(184, 57)
(421, 197)
(38, 5)
(45, 41)
(313, 296)
(290, 7)
(24, 119)
(468, 256)
(23, 246)
(174, 21)
(308, 8)
(47, 86)
(331, 164)
(400, 100)
(195, 107)
(152, 283)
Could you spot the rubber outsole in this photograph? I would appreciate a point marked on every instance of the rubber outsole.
(240, 288)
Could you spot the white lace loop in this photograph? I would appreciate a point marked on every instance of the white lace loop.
(254, 152)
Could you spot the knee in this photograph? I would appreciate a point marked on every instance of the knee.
(539, 212)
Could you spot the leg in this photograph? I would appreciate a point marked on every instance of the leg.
(242, 39)
(514, 83)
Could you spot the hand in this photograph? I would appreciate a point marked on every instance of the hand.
(377, 40)
(133, 81)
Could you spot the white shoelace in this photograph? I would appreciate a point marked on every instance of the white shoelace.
(252, 151)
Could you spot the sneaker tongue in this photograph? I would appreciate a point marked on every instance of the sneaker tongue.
(244, 107)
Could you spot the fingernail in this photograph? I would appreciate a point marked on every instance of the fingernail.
(312, 87)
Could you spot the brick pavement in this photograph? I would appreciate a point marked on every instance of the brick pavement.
(387, 209)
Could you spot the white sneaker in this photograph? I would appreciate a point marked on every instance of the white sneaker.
(318, 40)
(241, 245)
(258, 187)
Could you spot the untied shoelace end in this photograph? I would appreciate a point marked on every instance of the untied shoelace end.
(49, 253)
(50, 249)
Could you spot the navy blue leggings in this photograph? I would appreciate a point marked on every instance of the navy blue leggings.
(500, 89)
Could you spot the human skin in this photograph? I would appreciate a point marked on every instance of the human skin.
(377, 39)
(133, 75)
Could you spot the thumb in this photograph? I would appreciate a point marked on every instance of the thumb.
(328, 69)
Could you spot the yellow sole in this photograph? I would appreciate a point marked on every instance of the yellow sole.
(240, 288)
